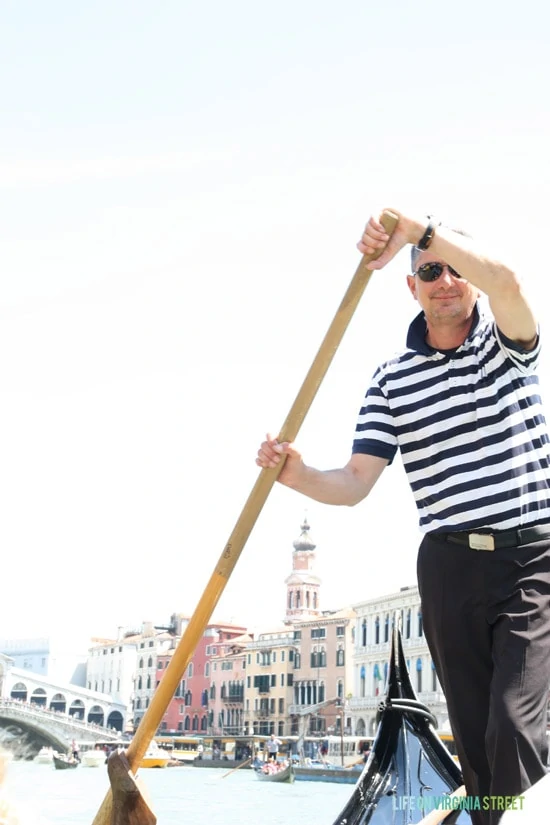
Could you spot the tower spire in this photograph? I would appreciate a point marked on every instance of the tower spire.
(303, 585)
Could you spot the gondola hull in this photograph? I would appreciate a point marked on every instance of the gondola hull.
(283, 775)
(63, 763)
(409, 772)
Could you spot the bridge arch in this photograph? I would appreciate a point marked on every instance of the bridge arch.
(96, 715)
(58, 703)
(19, 691)
(77, 709)
(39, 697)
(115, 720)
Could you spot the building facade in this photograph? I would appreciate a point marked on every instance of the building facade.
(189, 711)
(374, 622)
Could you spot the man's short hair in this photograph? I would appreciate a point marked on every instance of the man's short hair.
(415, 251)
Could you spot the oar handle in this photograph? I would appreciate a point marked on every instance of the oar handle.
(173, 674)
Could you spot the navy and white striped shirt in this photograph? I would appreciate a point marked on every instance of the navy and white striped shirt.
(470, 427)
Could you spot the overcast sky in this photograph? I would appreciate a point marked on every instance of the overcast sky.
(182, 188)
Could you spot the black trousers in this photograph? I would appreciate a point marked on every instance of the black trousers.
(486, 618)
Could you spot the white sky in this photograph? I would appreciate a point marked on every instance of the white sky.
(182, 187)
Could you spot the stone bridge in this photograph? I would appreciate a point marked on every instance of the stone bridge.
(25, 727)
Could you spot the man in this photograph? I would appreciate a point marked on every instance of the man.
(462, 405)
(272, 746)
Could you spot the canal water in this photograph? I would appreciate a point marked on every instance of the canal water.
(51, 797)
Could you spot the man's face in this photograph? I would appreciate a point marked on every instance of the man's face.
(447, 297)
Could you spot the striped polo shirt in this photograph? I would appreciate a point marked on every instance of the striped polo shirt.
(470, 427)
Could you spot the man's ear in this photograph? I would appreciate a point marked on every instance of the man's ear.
(411, 283)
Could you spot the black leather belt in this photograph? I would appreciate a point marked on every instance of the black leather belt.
(499, 539)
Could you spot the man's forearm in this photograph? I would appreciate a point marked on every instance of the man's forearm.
(338, 487)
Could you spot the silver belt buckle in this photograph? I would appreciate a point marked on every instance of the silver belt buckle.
(481, 541)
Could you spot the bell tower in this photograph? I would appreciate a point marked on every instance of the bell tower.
(302, 586)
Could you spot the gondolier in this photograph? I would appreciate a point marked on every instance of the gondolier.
(272, 746)
(462, 405)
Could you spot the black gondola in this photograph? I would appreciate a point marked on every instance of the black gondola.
(62, 762)
(285, 774)
(409, 771)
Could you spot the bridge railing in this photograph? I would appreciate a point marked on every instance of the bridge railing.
(32, 709)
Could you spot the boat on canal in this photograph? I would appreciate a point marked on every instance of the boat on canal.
(275, 772)
(408, 760)
(62, 762)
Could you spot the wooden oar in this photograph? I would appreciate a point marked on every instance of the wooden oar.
(242, 765)
(246, 521)
(439, 814)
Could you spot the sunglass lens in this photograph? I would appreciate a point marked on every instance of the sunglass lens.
(429, 272)
(432, 271)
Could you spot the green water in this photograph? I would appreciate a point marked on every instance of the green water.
(177, 795)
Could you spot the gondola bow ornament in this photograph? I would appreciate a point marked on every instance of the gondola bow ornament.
(410, 776)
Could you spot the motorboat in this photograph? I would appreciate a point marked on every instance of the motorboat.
(93, 758)
(44, 756)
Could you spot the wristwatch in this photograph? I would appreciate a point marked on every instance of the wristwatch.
(428, 235)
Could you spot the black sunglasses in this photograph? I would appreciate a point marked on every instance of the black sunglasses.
(432, 271)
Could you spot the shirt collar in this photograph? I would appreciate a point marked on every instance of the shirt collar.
(416, 337)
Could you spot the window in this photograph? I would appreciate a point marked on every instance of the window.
(318, 632)
(282, 655)
(420, 628)
(377, 630)
(207, 669)
(274, 656)
(190, 670)
(297, 634)
(262, 683)
(282, 679)
(340, 631)
(340, 657)
(150, 661)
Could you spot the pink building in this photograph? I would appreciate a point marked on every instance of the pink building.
(189, 711)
